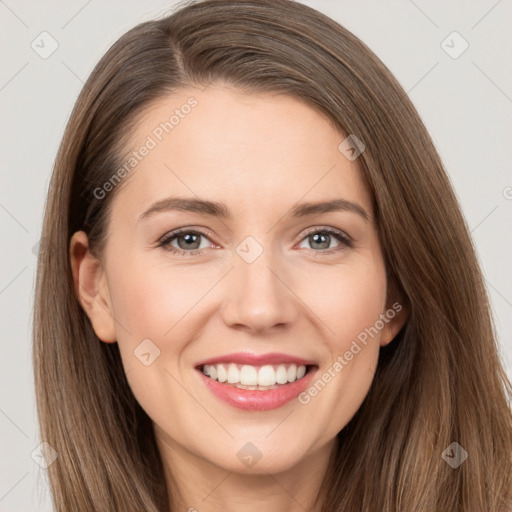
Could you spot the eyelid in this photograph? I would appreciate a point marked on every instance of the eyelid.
(327, 229)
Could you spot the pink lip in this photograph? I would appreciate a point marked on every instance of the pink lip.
(258, 400)
(256, 360)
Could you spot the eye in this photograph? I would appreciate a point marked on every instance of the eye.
(321, 238)
(189, 242)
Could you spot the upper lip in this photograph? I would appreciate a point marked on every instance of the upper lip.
(256, 359)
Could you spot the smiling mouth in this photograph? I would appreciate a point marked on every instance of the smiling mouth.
(255, 378)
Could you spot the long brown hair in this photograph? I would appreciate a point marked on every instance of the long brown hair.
(440, 381)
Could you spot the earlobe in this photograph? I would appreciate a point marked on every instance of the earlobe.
(91, 287)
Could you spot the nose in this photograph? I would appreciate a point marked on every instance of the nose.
(258, 296)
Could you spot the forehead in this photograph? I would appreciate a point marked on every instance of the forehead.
(254, 151)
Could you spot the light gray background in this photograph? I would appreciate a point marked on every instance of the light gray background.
(466, 103)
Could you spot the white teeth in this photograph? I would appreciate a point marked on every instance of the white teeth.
(213, 372)
(222, 374)
(266, 376)
(281, 374)
(248, 375)
(233, 374)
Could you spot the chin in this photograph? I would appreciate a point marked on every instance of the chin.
(251, 460)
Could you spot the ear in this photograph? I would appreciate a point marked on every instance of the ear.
(92, 288)
(396, 315)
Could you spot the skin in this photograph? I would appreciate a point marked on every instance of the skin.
(260, 155)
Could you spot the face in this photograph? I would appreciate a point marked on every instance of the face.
(258, 291)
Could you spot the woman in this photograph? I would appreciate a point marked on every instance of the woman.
(259, 370)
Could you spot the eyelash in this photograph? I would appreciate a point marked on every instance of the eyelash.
(345, 241)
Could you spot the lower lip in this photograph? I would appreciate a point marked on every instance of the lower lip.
(253, 400)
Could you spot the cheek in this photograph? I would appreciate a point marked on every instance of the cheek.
(361, 300)
(360, 303)
(150, 311)
(355, 344)
(347, 300)
(352, 310)
(147, 309)
(152, 302)
(154, 310)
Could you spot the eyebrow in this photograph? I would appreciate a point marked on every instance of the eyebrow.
(218, 209)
